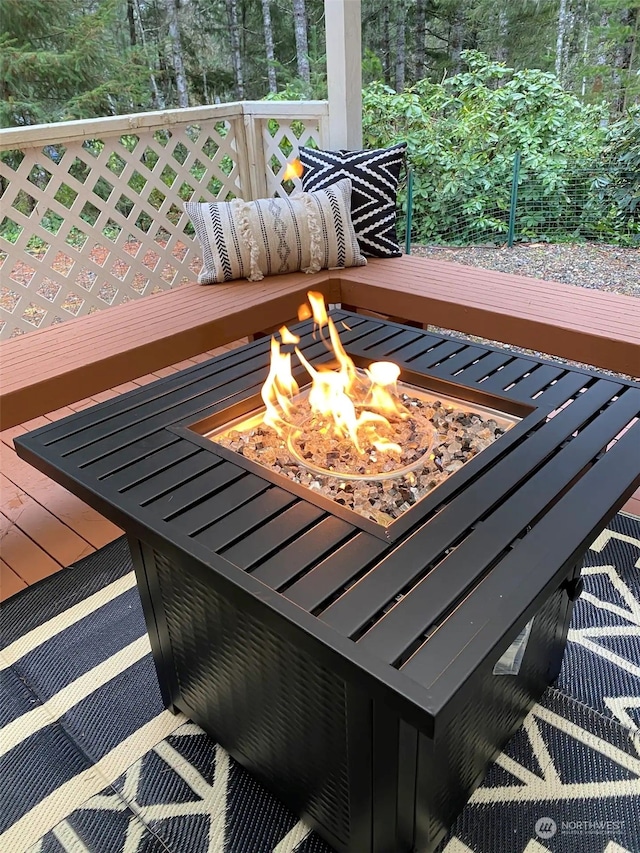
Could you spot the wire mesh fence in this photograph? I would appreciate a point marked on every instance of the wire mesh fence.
(580, 203)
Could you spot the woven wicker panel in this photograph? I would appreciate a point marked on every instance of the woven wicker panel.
(91, 221)
(453, 767)
(260, 696)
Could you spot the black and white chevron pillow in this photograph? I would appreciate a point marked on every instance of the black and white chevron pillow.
(374, 176)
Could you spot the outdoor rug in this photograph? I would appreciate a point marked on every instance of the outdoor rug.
(92, 762)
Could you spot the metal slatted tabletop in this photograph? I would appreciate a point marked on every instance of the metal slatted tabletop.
(409, 612)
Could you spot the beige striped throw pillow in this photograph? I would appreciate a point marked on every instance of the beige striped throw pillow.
(251, 239)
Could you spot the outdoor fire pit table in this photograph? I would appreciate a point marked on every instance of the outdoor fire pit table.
(366, 673)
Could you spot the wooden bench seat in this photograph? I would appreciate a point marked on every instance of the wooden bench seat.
(52, 367)
(590, 326)
(49, 368)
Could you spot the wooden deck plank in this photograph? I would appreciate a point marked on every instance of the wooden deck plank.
(10, 582)
(23, 555)
(69, 509)
(60, 542)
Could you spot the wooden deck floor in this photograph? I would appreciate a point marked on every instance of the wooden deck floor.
(43, 527)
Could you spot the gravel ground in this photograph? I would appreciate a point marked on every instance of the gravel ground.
(599, 267)
(596, 266)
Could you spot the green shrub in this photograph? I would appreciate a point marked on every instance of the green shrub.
(462, 136)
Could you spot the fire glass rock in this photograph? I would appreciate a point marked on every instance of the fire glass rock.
(454, 435)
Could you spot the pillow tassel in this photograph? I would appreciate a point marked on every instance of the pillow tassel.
(315, 234)
(242, 209)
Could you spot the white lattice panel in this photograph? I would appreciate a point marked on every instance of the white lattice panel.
(93, 219)
(281, 143)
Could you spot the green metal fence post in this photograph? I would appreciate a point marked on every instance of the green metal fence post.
(407, 238)
(514, 199)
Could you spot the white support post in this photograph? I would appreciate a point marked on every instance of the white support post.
(343, 24)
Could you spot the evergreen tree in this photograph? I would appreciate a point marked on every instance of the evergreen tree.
(61, 60)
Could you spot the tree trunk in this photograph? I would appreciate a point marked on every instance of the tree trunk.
(236, 56)
(502, 54)
(421, 28)
(268, 42)
(157, 97)
(623, 57)
(456, 40)
(566, 44)
(386, 44)
(401, 47)
(132, 23)
(302, 45)
(632, 55)
(585, 49)
(176, 53)
(562, 27)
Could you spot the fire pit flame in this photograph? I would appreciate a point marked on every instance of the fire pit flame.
(346, 403)
(280, 387)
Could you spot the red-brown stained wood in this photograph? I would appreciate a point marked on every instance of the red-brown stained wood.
(10, 582)
(69, 509)
(52, 367)
(22, 554)
(632, 506)
(62, 543)
(584, 325)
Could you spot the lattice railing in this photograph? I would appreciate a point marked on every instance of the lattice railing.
(92, 211)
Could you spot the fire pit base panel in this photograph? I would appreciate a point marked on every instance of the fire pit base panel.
(337, 753)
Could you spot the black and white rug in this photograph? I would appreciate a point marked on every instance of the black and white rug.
(92, 762)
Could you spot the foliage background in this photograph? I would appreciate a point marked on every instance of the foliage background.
(468, 84)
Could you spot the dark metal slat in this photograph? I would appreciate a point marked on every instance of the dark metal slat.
(303, 553)
(546, 552)
(193, 491)
(245, 519)
(150, 465)
(184, 402)
(487, 364)
(423, 344)
(273, 535)
(524, 389)
(458, 362)
(435, 355)
(439, 590)
(499, 380)
(335, 571)
(358, 606)
(212, 508)
(156, 392)
(395, 345)
(124, 456)
(563, 389)
(172, 478)
(223, 363)
(383, 337)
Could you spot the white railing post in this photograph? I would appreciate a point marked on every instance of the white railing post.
(256, 165)
(344, 72)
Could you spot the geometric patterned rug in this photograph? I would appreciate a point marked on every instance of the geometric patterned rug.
(91, 763)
